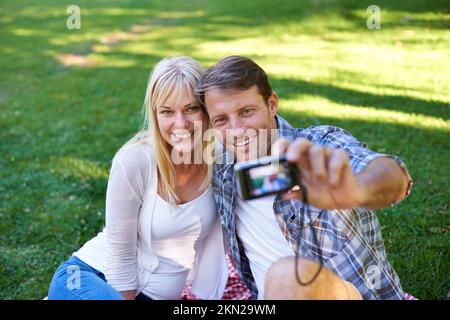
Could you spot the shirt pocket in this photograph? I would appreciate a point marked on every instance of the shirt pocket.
(320, 239)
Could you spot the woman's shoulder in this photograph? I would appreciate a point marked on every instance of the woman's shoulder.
(136, 153)
(132, 167)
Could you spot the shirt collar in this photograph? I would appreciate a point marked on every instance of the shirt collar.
(285, 130)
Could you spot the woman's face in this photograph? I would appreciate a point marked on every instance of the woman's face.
(181, 122)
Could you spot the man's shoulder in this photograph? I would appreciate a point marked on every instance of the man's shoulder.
(317, 133)
(314, 133)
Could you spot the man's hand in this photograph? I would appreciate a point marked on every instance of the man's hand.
(325, 172)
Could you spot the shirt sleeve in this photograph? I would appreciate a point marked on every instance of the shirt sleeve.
(123, 201)
(359, 153)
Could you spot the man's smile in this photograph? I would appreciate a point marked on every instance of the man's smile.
(244, 142)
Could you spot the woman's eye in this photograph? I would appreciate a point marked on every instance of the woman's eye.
(193, 109)
(166, 112)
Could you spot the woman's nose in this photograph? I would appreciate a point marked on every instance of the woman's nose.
(181, 121)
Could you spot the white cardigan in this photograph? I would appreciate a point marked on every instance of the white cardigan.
(123, 252)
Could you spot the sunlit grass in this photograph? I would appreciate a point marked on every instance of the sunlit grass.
(77, 168)
(70, 98)
(319, 107)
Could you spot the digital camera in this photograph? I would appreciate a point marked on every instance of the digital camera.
(265, 176)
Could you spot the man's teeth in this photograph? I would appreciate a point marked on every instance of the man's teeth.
(244, 142)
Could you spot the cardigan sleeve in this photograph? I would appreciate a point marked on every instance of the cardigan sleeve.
(124, 196)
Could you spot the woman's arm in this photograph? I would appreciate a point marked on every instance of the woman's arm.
(123, 201)
(129, 295)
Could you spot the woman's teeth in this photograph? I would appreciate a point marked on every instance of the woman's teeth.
(244, 142)
(181, 135)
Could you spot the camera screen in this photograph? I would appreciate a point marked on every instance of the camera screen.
(270, 178)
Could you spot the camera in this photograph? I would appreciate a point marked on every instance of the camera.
(265, 176)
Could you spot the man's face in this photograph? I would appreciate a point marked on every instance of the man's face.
(244, 120)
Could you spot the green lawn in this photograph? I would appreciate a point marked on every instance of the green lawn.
(70, 98)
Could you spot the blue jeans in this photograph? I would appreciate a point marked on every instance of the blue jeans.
(76, 280)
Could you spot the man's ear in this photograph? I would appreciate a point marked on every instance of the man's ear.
(273, 103)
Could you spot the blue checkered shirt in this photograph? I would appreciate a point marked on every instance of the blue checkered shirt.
(351, 242)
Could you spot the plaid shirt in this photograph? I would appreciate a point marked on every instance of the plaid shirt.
(351, 242)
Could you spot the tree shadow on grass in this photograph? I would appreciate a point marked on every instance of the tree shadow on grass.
(290, 88)
(414, 6)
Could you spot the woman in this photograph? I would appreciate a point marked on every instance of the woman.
(162, 230)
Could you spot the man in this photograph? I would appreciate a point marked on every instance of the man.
(344, 181)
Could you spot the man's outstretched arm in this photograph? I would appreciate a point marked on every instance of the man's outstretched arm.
(331, 184)
(385, 183)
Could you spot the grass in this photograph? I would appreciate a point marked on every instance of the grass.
(70, 98)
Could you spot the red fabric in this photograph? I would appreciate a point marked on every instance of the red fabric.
(410, 297)
(236, 290)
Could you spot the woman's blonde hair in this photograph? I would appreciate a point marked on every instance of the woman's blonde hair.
(171, 77)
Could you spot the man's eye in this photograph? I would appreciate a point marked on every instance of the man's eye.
(219, 121)
(247, 112)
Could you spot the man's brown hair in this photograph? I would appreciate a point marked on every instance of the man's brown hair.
(234, 73)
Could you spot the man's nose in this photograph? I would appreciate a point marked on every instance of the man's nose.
(236, 124)
(236, 128)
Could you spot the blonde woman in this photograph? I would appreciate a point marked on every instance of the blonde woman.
(162, 228)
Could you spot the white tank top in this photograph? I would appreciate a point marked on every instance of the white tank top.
(175, 233)
(261, 236)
